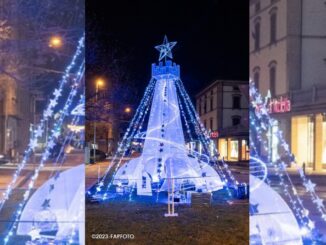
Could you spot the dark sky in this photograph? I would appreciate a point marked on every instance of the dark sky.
(212, 38)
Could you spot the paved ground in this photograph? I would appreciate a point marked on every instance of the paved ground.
(225, 222)
(319, 180)
(6, 173)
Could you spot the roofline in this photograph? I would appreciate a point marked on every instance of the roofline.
(216, 82)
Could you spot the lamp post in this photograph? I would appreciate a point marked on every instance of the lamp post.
(99, 82)
(55, 42)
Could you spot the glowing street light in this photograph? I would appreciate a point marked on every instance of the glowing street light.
(127, 110)
(99, 82)
(55, 42)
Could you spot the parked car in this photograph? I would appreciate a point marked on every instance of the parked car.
(99, 156)
(3, 159)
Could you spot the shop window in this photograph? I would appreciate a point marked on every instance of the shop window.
(223, 147)
(236, 102)
(302, 134)
(234, 151)
(311, 136)
(244, 150)
(324, 139)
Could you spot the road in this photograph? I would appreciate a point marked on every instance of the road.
(6, 176)
(320, 189)
(95, 171)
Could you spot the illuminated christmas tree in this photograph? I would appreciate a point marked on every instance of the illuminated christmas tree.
(276, 216)
(167, 126)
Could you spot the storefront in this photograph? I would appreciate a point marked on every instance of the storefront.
(232, 144)
(303, 123)
(233, 149)
(308, 140)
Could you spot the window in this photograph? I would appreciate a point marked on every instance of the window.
(273, 25)
(256, 76)
(272, 77)
(256, 34)
(234, 154)
(200, 107)
(211, 123)
(211, 100)
(236, 102)
(236, 120)
(205, 124)
(236, 88)
(257, 6)
(205, 104)
(303, 138)
(244, 150)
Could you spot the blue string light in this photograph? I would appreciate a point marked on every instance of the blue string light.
(49, 112)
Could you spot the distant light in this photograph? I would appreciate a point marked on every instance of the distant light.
(76, 128)
(55, 42)
(99, 82)
(127, 110)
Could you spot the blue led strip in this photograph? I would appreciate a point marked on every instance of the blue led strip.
(123, 144)
(148, 106)
(67, 140)
(56, 172)
(190, 136)
(203, 136)
(262, 112)
(40, 129)
(295, 201)
(54, 134)
(144, 104)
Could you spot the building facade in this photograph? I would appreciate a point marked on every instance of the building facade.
(16, 117)
(223, 109)
(288, 58)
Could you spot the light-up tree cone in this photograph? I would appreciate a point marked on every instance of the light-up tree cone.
(172, 121)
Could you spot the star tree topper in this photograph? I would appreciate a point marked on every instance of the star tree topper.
(165, 49)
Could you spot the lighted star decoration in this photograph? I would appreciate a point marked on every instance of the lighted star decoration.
(253, 209)
(79, 110)
(165, 49)
(46, 203)
(310, 186)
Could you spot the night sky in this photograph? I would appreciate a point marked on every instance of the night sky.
(212, 38)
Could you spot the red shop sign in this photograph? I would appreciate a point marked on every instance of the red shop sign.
(279, 105)
(214, 134)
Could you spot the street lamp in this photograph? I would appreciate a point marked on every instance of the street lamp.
(99, 82)
(127, 110)
(55, 42)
